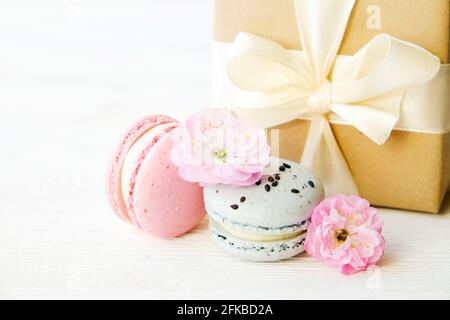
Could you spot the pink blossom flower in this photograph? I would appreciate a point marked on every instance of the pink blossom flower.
(214, 146)
(345, 232)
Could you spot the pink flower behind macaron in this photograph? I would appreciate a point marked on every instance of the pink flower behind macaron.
(345, 232)
(214, 146)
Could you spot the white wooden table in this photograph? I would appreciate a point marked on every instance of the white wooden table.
(73, 76)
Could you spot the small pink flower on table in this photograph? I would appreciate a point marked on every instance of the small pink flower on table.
(345, 232)
(215, 147)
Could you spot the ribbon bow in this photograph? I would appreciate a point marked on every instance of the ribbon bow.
(366, 90)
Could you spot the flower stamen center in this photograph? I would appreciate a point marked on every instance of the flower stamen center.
(220, 154)
(342, 235)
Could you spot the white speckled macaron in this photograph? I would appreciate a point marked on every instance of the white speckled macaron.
(266, 221)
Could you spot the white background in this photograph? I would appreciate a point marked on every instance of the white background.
(74, 75)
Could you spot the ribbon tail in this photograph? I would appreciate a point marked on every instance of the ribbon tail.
(323, 156)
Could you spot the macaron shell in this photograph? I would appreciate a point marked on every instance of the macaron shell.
(114, 175)
(275, 206)
(165, 204)
(133, 162)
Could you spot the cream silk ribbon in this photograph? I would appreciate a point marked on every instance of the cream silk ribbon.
(365, 90)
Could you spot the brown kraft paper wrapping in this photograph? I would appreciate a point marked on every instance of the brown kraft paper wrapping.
(411, 170)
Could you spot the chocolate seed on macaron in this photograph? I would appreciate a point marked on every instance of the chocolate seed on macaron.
(275, 183)
(286, 166)
(282, 168)
(295, 191)
(258, 182)
(267, 187)
(311, 184)
(243, 199)
(277, 177)
(234, 206)
(271, 179)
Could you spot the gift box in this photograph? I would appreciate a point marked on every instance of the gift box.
(407, 169)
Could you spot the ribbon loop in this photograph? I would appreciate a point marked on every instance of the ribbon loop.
(259, 65)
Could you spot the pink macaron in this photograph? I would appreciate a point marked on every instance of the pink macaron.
(144, 187)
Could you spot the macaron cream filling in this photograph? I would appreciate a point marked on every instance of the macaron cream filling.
(135, 156)
(259, 233)
(242, 234)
